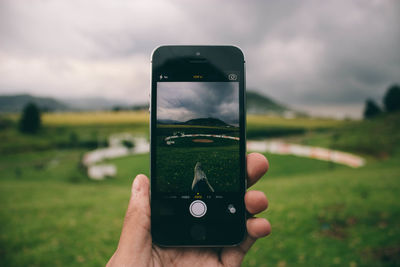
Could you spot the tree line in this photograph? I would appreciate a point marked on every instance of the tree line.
(391, 103)
(30, 121)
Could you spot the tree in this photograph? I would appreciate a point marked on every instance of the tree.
(392, 98)
(371, 109)
(30, 121)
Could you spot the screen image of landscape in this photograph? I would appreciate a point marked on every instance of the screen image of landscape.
(197, 137)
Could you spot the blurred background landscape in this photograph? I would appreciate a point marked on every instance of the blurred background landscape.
(323, 77)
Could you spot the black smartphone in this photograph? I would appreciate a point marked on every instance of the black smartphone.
(198, 146)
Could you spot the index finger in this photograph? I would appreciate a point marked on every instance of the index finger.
(257, 166)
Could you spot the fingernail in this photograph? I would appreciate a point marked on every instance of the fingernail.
(136, 184)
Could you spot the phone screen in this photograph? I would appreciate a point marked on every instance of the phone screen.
(197, 147)
(198, 139)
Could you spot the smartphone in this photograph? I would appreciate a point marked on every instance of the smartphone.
(198, 153)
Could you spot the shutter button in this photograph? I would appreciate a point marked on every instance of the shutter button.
(198, 208)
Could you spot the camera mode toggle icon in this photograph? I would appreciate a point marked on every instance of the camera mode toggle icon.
(231, 209)
(232, 77)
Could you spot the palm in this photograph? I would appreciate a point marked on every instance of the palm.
(194, 256)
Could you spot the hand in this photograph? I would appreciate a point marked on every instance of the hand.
(135, 246)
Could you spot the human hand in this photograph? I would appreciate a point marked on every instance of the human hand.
(135, 246)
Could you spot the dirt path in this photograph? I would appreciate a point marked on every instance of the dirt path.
(278, 147)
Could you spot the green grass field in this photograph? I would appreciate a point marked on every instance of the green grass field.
(176, 161)
(322, 214)
(175, 168)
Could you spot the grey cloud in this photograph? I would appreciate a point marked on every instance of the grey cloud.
(299, 52)
(183, 101)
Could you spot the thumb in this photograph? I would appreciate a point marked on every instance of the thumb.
(135, 238)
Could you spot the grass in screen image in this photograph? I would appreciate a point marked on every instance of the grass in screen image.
(181, 147)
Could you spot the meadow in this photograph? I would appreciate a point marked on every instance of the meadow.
(176, 161)
(322, 214)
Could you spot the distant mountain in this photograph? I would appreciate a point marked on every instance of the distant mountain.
(15, 103)
(198, 122)
(261, 104)
(96, 103)
(168, 122)
(256, 104)
(206, 122)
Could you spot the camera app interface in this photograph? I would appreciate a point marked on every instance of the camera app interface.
(198, 139)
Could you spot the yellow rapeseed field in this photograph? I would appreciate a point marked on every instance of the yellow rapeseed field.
(142, 117)
(96, 118)
(134, 117)
(300, 122)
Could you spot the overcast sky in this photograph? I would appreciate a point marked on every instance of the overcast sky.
(183, 101)
(302, 53)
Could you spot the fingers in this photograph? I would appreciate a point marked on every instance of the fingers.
(135, 237)
(255, 202)
(257, 166)
(137, 219)
(233, 256)
(258, 227)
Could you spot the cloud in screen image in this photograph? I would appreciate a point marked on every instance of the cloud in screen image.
(183, 101)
